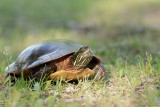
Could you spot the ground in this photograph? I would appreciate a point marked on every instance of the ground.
(124, 35)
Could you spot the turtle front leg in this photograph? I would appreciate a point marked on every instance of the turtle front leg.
(72, 75)
(100, 71)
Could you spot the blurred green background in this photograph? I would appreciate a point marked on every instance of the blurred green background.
(125, 34)
(115, 30)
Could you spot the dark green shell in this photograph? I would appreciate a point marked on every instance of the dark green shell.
(41, 53)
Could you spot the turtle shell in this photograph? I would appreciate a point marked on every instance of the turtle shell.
(42, 53)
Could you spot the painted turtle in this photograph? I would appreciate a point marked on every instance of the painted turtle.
(66, 59)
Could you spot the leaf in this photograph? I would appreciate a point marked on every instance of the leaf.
(37, 86)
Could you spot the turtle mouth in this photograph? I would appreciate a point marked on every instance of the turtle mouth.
(83, 57)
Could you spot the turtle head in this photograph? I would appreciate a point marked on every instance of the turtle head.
(82, 57)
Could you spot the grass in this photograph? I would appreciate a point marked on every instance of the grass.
(124, 35)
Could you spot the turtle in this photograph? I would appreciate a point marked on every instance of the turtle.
(54, 60)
